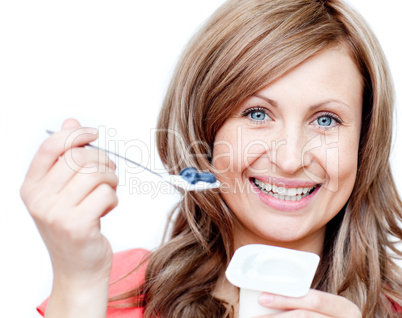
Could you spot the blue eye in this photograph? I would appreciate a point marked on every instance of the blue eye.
(325, 121)
(257, 114)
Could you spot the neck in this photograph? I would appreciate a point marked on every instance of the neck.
(311, 243)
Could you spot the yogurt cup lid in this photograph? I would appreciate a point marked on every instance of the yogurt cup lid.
(272, 269)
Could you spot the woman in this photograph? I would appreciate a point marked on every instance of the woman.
(272, 96)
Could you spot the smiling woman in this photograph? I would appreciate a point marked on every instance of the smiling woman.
(295, 99)
(321, 99)
(289, 103)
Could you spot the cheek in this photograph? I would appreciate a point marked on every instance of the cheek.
(333, 163)
(341, 163)
(223, 157)
(253, 150)
(233, 153)
(347, 166)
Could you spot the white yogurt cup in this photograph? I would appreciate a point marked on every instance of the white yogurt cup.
(260, 268)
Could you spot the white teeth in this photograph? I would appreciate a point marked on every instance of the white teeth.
(290, 194)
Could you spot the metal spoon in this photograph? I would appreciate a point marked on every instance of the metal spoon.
(175, 180)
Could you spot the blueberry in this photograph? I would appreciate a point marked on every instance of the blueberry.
(189, 174)
(206, 177)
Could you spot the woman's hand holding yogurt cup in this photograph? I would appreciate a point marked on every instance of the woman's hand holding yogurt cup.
(316, 304)
(67, 189)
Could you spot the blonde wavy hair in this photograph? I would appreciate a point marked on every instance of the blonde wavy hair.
(242, 48)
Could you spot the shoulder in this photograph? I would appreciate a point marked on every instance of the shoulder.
(128, 272)
(126, 261)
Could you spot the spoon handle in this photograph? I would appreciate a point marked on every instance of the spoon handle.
(176, 181)
(117, 155)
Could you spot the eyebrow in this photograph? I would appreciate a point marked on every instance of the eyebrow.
(270, 101)
(312, 107)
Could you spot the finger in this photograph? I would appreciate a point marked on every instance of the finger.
(70, 123)
(99, 202)
(77, 159)
(54, 146)
(83, 184)
(316, 301)
(294, 314)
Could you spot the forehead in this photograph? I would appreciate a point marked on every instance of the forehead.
(330, 74)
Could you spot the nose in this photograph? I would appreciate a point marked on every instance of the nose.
(287, 154)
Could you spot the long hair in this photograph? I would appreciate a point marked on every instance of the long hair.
(242, 48)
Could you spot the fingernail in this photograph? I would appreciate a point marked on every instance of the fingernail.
(265, 298)
(92, 131)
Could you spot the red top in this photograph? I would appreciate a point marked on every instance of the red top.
(398, 309)
(123, 263)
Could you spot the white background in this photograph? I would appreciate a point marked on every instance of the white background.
(107, 64)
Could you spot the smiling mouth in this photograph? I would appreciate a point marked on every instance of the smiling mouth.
(287, 194)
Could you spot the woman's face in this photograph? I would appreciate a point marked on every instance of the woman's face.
(287, 157)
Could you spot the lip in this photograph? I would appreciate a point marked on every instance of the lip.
(283, 205)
